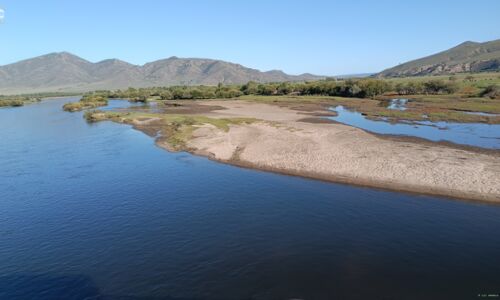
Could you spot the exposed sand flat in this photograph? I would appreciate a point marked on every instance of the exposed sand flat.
(342, 153)
(253, 110)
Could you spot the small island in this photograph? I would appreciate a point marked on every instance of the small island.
(16, 101)
(88, 101)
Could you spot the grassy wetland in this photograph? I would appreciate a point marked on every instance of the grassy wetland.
(468, 98)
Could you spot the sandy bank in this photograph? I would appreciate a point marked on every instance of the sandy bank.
(283, 142)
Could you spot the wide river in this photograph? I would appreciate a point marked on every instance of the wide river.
(97, 211)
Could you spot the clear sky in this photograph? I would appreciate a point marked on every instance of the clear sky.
(321, 37)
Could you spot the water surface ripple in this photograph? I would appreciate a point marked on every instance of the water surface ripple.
(97, 211)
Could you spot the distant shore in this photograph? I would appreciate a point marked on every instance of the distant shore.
(293, 142)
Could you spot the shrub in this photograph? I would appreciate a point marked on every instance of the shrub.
(492, 91)
(13, 103)
(439, 87)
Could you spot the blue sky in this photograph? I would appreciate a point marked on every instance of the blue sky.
(321, 37)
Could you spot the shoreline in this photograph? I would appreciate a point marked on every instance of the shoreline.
(280, 141)
(371, 184)
(407, 138)
(383, 186)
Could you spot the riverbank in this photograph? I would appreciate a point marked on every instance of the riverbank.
(296, 142)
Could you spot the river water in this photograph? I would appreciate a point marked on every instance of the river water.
(471, 134)
(97, 211)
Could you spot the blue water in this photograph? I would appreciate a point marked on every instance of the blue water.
(97, 211)
(472, 134)
(118, 104)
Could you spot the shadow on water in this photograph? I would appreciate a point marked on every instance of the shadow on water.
(63, 287)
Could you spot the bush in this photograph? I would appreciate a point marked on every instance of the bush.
(492, 91)
(251, 88)
(88, 101)
(409, 88)
(373, 87)
(469, 91)
(439, 87)
(12, 103)
(361, 88)
(142, 99)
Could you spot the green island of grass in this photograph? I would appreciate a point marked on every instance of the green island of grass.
(88, 101)
(17, 101)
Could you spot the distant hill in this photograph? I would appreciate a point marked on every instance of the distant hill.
(466, 57)
(59, 72)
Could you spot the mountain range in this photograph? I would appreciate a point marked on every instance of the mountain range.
(65, 72)
(466, 57)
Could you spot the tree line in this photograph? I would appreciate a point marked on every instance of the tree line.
(359, 88)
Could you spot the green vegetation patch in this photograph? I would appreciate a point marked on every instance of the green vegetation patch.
(451, 102)
(15, 101)
(176, 129)
(88, 101)
(77, 106)
(428, 107)
(11, 103)
(98, 115)
(476, 85)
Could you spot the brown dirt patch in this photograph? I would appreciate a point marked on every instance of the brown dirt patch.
(186, 107)
(317, 120)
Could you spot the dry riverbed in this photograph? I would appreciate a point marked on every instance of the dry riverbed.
(296, 141)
